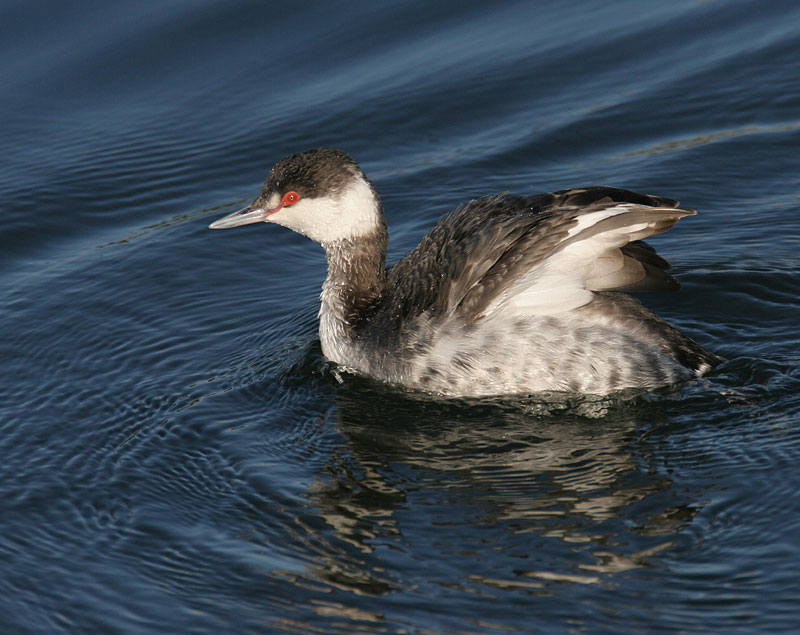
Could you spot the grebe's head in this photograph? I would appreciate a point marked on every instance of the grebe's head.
(322, 194)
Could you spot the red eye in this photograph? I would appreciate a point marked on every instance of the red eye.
(290, 198)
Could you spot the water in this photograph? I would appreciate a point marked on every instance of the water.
(176, 455)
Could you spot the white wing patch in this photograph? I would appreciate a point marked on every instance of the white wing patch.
(592, 218)
(589, 260)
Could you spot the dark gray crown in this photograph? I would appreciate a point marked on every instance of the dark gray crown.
(320, 172)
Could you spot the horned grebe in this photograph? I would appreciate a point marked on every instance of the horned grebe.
(505, 295)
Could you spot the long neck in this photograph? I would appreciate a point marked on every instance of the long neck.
(355, 284)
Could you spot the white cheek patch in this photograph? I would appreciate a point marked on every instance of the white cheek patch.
(352, 213)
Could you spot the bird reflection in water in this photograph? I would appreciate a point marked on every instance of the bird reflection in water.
(531, 494)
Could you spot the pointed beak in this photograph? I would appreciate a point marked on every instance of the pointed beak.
(242, 217)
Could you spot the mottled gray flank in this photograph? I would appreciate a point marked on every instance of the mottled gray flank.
(610, 344)
(426, 322)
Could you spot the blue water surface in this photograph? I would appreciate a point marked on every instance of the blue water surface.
(176, 455)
